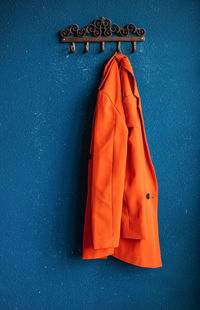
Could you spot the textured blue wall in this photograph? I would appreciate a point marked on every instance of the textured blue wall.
(47, 101)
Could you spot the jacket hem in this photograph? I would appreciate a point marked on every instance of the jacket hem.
(137, 261)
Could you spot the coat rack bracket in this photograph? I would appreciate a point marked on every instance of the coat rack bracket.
(102, 30)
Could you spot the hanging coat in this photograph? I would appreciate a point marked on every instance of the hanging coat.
(122, 197)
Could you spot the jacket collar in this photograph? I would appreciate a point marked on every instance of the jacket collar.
(124, 62)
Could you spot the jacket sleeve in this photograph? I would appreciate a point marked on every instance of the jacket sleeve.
(134, 217)
(102, 162)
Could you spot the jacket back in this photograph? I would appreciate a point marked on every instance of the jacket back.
(122, 198)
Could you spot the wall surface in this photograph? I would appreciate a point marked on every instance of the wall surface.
(47, 99)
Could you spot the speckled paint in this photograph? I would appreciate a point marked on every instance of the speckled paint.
(47, 99)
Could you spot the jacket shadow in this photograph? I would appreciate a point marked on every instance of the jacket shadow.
(69, 222)
(70, 208)
(75, 218)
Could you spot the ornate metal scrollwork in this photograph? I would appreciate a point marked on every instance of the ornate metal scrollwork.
(102, 30)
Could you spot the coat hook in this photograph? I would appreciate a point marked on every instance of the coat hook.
(133, 46)
(86, 47)
(72, 47)
(102, 46)
(102, 30)
(119, 46)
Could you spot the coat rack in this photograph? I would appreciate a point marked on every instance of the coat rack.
(102, 30)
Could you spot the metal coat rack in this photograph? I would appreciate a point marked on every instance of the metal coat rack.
(102, 30)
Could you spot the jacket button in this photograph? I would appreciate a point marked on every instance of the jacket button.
(147, 195)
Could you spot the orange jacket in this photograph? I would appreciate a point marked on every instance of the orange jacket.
(122, 197)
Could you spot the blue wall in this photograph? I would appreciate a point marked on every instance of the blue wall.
(47, 99)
